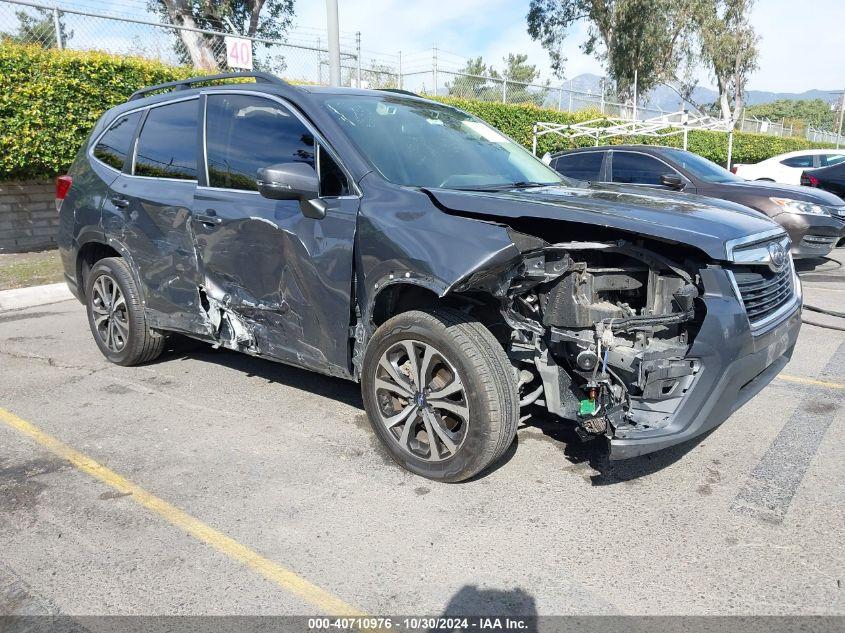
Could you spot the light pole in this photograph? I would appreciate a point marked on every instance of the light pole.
(841, 112)
(334, 42)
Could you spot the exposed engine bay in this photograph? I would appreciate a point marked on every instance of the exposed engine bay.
(600, 334)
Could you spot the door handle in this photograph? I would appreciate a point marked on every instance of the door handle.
(209, 218)
(119, 201)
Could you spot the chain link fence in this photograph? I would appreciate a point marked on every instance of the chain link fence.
(303, 57)
(436, 81)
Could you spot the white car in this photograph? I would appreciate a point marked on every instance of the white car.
(787, 168)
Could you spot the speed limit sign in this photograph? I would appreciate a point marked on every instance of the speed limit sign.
(238, 52)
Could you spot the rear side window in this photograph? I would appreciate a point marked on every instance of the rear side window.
(113, 146)
(583, 166)
(167, 145)
(245, 133)
(831, 159)
(638, 168)
(798, 161)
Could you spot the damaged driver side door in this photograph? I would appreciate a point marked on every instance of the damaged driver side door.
(273, 282)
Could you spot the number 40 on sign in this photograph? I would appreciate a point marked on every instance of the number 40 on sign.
(238, 52)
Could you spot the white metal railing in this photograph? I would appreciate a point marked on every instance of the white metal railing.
(662, 126)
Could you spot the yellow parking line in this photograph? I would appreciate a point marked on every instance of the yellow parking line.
(273, 572)
(811, 381)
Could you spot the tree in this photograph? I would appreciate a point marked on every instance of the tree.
(518, 70)
(268, 19)
(374, 76)
(473, 81)
(646, 38)
(38, 29)
(729, 47)
(799, 114)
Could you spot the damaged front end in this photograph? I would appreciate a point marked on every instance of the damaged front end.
(601, 332)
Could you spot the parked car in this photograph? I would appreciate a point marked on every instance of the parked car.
(830, 179)
(405, 244)
(814, 219)
(787, 168)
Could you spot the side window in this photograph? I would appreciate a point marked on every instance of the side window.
(333, 182)
(114, 145)
(245, 133)
(798, 161)
(831, 159)
(583, 166)
(638, 168)
(167, 145)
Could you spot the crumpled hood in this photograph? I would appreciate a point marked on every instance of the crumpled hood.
(701, 222)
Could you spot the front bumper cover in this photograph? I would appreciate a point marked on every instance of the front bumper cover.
(735, 366)
(811, 235)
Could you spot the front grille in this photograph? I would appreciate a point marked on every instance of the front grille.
(763, 291)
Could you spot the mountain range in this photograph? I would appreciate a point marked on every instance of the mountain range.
(667, 99)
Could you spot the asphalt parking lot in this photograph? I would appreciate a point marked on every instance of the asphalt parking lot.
(214, 483)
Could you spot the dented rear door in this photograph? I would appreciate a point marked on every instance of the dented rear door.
(148, 209)
(273, 282)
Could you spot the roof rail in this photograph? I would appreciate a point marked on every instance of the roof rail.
(184, 84)
(399, 91)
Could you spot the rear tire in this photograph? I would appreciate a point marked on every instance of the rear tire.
(458, 392)
(116, 315)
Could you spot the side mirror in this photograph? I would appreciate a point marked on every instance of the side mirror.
(673, 181)
(293, 181)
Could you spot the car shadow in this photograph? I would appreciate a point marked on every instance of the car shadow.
(594, 453)
(819, 265)
(345, 391)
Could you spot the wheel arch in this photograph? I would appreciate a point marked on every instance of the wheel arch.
(403, 295)
(93, 250)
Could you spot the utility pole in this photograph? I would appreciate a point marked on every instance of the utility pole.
(841, 113)
(57, 25)
(334, 42)
(635, 94)
(434, 68)
(358, 55)
(601, 88)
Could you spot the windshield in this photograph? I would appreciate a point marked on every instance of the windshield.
(423, 144)
(701, 168)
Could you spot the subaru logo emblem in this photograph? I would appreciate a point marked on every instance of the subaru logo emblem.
(777, 257)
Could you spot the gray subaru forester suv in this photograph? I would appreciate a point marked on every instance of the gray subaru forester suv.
(398, 242)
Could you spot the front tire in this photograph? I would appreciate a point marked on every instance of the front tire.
(116, 315)
(440, 393)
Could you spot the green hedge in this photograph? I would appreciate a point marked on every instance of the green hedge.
(50, 100)
(517, 122)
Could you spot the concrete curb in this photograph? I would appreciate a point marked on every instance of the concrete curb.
(20, 298)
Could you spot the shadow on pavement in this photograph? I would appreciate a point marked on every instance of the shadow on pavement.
(560, 433)
(595, 452)
(473, 602)
(338, 389)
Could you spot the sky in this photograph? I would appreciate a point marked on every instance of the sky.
(797, 52)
